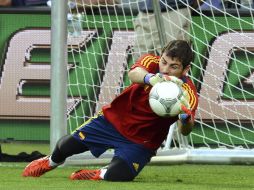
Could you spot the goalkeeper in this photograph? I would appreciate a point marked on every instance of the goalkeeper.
(128, 124)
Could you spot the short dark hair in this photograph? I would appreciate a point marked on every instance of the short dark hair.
(179, 49)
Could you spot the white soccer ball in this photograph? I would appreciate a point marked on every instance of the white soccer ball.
(164, 99)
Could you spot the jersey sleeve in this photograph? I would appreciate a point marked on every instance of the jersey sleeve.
(148, 62)
(192, 96)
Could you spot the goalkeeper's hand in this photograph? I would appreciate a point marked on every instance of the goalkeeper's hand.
(174, 79)
(152, 79)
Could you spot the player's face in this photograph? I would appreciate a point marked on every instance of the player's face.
(169, 66)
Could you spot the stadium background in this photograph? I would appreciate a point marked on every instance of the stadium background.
(12, 22)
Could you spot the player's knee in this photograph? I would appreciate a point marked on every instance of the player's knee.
(67, 146)
(118, 170)
(63, 145)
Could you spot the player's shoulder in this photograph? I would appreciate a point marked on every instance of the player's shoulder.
(147, 59)
(188, 82)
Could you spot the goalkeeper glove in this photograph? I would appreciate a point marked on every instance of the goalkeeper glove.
(152, 79)
(174, 79)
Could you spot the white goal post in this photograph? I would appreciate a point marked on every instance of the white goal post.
(100, 52)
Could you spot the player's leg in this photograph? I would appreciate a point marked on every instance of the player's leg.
(65, 147)
(129, 158)
(128, 161)
(119, 170)
(82, 139)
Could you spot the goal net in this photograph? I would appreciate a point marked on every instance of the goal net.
(101, 40)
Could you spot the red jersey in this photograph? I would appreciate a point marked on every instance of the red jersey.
(132, 116)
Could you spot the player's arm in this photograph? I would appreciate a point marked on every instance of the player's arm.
(142, 76)
(186, 117)
(137, 75)
(142, 71)
(185, 124)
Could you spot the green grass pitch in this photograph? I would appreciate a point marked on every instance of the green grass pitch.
(153, 177)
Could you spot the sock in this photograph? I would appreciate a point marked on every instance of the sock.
(52, 163)
(103, 171)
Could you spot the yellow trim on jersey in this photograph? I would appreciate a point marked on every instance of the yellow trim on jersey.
(81, 136)
(89, 120)
(148, 60)
(135, 166)
(146, 87)
(192, 97)
(155, 60)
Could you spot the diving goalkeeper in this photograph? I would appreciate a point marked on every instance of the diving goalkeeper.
(127, 124)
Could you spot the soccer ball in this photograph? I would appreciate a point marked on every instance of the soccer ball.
(164, 99)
